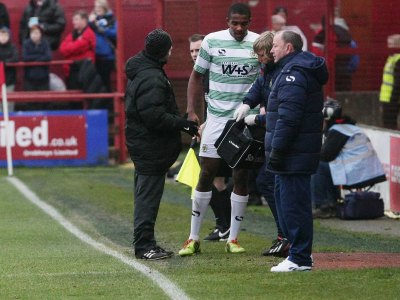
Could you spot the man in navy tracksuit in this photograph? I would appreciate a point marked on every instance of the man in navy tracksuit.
(293, 142)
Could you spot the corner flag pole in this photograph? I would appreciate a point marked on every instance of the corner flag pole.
(6, 120)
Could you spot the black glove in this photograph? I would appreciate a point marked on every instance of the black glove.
(190, 127)
(276, 159)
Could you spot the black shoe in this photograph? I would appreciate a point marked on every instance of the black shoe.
(170, 253)
(217, 235)
(156, 253)
(324, 212)
(279, 248)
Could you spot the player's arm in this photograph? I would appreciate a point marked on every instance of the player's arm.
(194, 95)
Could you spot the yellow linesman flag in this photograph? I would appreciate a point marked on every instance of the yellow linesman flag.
(190, 171)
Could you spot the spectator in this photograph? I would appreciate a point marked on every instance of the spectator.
(293, 142)
(8, 53)
(282, 11)
(347, 159)
(195, 41)
(390, 88)
(233, 76)
(343, 75)
(4, 17)
(49, 15)
(220, 201)
(259, 94)
(104, 25)
(278, 23)
(152, 136)
(78, 45)
(35, 49)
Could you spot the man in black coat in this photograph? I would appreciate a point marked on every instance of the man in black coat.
(153, 138)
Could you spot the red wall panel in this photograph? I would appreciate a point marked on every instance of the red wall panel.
(370, 21)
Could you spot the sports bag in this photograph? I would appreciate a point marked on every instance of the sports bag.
(241, 146)
(360, 205)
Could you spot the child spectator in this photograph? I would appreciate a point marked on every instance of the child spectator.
(49, 15)
(36, 49)
(8, 53)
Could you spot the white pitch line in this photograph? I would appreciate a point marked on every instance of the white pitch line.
(169, 288)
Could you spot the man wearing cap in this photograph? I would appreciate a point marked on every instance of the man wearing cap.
(153, 138)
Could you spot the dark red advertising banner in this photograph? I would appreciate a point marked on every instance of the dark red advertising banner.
(395, 174)
(45, 137)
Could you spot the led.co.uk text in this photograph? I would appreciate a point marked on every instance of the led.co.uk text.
(37, 136)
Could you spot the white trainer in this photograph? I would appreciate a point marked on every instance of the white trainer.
(289, 266)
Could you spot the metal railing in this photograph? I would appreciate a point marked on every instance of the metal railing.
(76, 96)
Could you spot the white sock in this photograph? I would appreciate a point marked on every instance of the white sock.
(199, 208)
(239, 204)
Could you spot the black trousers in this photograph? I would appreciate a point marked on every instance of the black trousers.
(148, 191)
(105, 68)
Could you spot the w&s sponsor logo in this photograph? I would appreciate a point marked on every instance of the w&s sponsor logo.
(233, 69)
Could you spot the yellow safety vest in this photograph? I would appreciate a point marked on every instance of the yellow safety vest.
(388, 78)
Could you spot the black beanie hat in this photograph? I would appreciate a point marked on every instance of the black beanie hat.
(157, 43)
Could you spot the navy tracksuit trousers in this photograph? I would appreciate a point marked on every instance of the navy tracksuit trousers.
(266, 185)
(293, 204)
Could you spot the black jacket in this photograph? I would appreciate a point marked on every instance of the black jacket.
(51, 19)
(84, 76)
(152, 120)
(4, 17)
(36, 52)
(9, 53)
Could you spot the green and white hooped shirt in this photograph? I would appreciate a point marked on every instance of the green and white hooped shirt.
(233, 69)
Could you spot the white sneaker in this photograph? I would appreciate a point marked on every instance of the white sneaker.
(289, 266)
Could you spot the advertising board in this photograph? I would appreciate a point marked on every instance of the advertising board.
(56, 138)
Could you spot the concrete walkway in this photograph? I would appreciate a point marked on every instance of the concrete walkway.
(383, 226)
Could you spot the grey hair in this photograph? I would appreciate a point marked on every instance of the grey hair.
(292, 38)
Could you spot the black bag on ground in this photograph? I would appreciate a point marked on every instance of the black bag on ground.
(241, 146)
(360, 205)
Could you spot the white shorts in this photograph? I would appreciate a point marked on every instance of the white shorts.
(212, 131)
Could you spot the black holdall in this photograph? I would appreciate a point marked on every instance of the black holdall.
(241, 146)
(360, 205)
